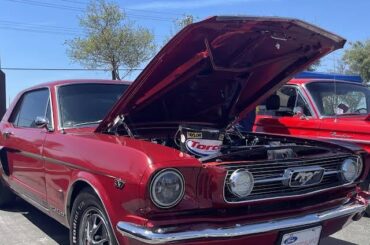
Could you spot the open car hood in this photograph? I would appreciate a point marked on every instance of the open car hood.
(215, 70)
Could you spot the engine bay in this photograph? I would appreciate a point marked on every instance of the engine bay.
(212, 144)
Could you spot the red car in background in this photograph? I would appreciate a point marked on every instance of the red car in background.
(318, 108)
(160, 160)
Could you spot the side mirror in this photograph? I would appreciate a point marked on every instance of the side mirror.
(42, 122)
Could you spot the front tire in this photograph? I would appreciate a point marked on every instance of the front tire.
(6, 195)
(89, 223)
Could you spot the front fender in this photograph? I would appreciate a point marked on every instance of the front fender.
(117, 202)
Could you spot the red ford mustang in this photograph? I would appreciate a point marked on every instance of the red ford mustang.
(164, 163)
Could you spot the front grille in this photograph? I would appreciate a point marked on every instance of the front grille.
(269, 177)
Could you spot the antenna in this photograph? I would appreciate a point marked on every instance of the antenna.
(335, 90)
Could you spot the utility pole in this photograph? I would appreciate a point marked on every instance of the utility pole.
(2, 94)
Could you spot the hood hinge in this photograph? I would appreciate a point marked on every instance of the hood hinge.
(118, 121)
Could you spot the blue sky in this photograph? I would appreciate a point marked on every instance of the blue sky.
(23, 45)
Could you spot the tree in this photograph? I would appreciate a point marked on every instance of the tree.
(314, 66)
(185, 20)
(179, 24)
(340, 67)
(357, 58)
(111, 40)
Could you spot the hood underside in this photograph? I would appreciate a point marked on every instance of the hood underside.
(219, 69)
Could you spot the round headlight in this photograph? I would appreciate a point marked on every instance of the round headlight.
(167, 188)
(241, 183)
(351, 169)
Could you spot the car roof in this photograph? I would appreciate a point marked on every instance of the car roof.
(78, 81)
(75, 81)
(302, 81)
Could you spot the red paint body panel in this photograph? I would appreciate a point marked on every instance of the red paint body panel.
(27, 172)
(239, 56)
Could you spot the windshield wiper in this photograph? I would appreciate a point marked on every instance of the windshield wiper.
(87, 123)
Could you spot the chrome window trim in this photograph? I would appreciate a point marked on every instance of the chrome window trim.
(21, 98)
(51, 110)
(58, 107)
(299, 92)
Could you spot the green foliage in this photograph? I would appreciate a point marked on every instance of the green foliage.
(179, 24)
(314, 66)
(184, 21)
(357, 58)
(111, 40)
(352, 99)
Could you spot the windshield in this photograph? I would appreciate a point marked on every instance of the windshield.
(87, 104)
(340, 98)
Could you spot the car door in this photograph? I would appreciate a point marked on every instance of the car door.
(23, 142)
(287, 112)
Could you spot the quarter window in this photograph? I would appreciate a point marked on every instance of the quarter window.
(32, 104)
(286, 102)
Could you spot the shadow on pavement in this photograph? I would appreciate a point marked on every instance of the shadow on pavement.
(49, 226)
(335, 241)
(60, 234)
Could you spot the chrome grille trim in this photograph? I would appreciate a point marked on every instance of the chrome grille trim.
(269, 176)
(259, 181)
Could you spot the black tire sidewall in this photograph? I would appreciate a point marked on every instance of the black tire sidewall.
(85, 200)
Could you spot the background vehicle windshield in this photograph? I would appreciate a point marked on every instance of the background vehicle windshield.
(340, 98)
(87, 104)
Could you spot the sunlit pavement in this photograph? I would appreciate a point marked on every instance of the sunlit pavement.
(23, 224)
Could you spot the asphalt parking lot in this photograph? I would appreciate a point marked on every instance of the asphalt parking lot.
(23, 224)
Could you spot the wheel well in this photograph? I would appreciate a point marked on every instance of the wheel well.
(77, 187)
(4, 161)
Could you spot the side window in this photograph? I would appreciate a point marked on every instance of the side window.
(286, 102)
(32, 104)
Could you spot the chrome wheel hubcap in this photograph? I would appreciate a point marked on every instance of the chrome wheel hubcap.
(94, 229)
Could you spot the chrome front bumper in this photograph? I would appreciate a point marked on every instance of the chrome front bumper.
(159, 236)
